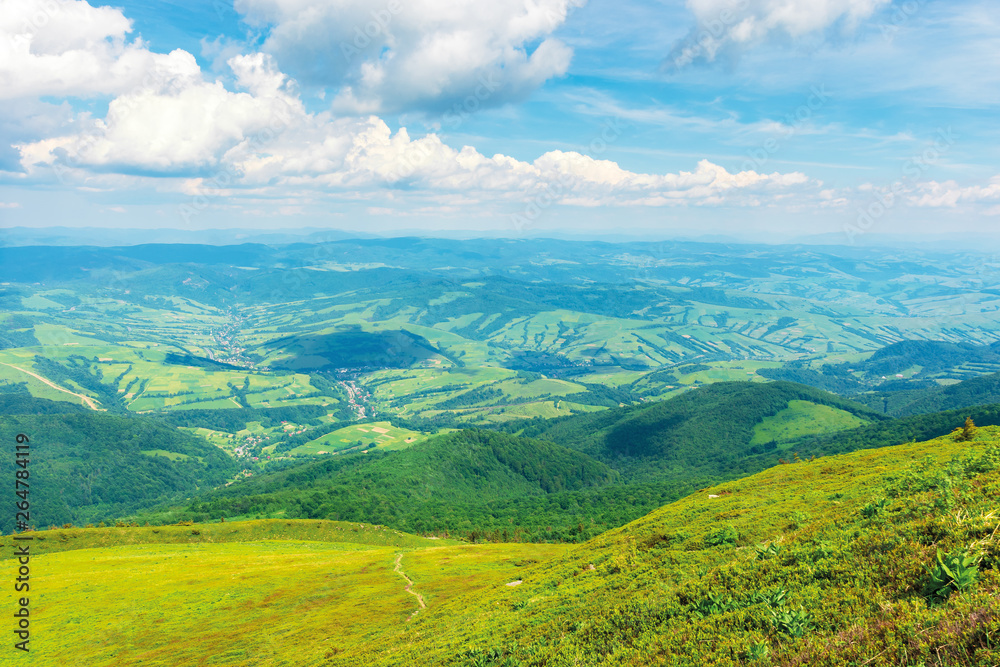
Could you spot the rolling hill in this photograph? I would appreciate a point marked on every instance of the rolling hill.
(831, 562)
(87, 466)
(469, 483)
(981, 390)
(718, 431)
(881, 558)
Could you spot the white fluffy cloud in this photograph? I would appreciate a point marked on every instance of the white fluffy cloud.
(323, 154)
(950, 194)
(70, 48)
(387, 55)
(168, 121)
(181, 124)
(735, 25)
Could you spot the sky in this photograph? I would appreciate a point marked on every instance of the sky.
(755, 119)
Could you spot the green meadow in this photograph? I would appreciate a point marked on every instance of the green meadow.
(381, 434)
(827, 562)
(803, 418)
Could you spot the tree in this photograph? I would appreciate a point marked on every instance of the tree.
(967, 432)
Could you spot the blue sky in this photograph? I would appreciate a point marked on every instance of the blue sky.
(752, 118)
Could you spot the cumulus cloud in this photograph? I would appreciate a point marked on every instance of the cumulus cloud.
(388, 55)
(224, 144)
(733, 26)
(950, 194)
(70, 48)
(168, 123)
(184, 123)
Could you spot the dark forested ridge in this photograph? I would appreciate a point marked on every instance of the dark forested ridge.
(468, 483)
(906, 401)
(923, 361)
(86, 466)
(705, 432)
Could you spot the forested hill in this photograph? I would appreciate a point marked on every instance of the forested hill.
(921, 361)
(88, 466)
(931, 356)
(452, 482)
(719, 430)
(982, 390)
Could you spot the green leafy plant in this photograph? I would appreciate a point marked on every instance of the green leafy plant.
(713, 604)
(757, 651)
(873, 509)
(767, 552)
(793, 623)
(956, 571)
(727, 535)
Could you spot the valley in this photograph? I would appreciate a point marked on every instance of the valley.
(504, 452)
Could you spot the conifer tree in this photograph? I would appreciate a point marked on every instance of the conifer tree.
(967, 432)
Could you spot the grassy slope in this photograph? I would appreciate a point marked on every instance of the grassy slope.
(703, 433)
(71, 539)
(657, 592)
(247, 593)
(803, 418)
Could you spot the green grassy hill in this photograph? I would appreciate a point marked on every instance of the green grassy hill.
(895, 431)
(830, 562)
(87, 466)
(715, 431)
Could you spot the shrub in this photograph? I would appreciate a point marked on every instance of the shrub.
(727, 535)
(955, 572)
(873, 509)
(967, 432)
(770, 551)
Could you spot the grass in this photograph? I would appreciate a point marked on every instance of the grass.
(248, 593)
(684, 585)
(382, 434)
(849, 540)
(173, 456)
(803, 418)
